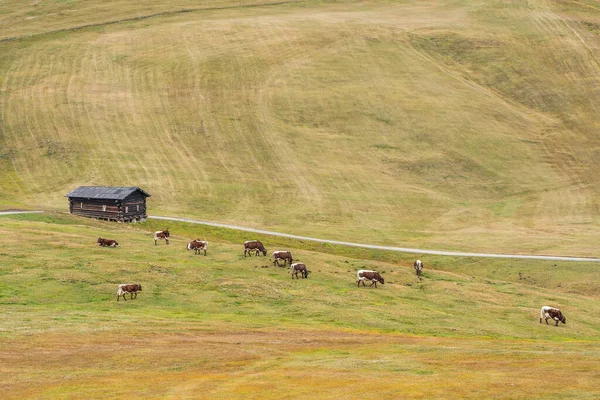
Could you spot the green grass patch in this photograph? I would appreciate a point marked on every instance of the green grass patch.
(197, 315)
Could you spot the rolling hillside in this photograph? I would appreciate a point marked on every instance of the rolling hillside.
(451, 124)
(456, 125)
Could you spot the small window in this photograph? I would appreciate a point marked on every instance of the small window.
(126, 209)
(104, 208)
(81, 205)
(137, 207)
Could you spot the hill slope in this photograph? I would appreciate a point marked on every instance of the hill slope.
(223, 326)
(455, 125)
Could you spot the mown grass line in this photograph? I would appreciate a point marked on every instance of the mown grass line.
(144, 17)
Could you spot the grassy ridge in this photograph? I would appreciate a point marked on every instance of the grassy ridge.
(446, 125)
(224, 318)
(24, 20)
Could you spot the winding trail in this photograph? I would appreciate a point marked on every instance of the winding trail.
(19, 212)
(375, 247)
(361, 245)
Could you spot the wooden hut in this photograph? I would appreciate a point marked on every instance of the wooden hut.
(112, 203)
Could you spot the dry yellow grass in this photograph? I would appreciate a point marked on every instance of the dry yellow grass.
(193, 363)
(447, 125)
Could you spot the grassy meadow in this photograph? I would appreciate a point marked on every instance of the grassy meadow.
(224, 326)
(455, 125)
(446, 124)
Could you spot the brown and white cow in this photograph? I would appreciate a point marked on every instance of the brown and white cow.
(550, 312)
(286, 256)
(130, 288)
(418, 267)
(256, 246)
(107, 242)
(299, 268)
(161, 235)
(198, 245)
(368, 275)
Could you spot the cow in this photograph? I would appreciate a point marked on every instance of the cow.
(130, 288)
(554, 313)
(286, 256)
(161, 235)
(254, 245)
(368, 275)
(107, 242)
(198, 245)
(418, 267)
(299, 268)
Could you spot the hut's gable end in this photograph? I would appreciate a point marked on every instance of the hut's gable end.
(135, 204)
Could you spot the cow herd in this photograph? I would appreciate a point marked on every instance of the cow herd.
(256, 247)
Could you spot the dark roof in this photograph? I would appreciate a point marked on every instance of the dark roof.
(105, 192)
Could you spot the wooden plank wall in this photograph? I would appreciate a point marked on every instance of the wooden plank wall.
(134, 207)
(110, 209)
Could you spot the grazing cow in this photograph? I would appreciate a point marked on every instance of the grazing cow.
(367, 275)
(418, 267)
(254, 245)
(286, 256)
(198, 245)
(554, 313)
(107, 242)
(130, 288)
(299, 268)
(161, 235)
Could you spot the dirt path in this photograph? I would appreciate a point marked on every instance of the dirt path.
(370, 246)
(362, 245)
(10, 212)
